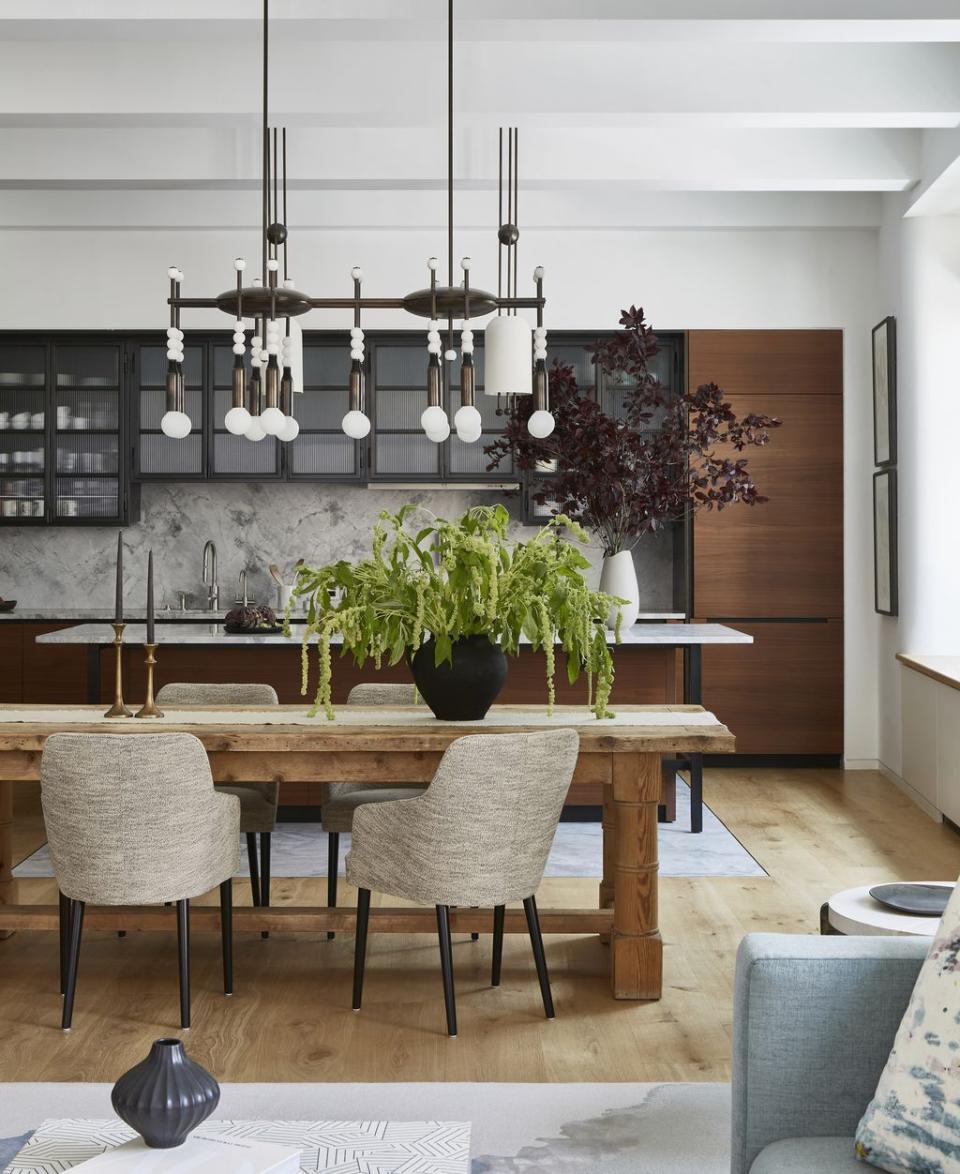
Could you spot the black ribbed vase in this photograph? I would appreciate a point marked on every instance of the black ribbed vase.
(166, 1096)
(464, 690)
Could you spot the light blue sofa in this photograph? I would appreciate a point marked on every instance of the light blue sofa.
(814, 1022)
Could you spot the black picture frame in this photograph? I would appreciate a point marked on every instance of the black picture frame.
(885, 577)
(884, 365)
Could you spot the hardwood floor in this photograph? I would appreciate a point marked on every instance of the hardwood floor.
(814, 831)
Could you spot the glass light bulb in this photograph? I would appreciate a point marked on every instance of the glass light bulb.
(439, 435)
(469, 435)
(237, 421)
(255, 431)
(356, 425)
(434, 419)
(541, 424)
(291, 430)
(273, 421)
(176, 425)
(468, 419)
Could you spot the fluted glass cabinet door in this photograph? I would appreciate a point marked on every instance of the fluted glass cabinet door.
(158, 456)
(234, 458)
(23, 413)
(321, 451)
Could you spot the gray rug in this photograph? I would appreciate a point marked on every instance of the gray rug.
(299, 849)
(516, 1128)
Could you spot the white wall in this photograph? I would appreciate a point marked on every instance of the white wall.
(684, 278)
(920, 279)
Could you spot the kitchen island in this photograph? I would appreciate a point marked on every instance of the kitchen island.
(656, 663)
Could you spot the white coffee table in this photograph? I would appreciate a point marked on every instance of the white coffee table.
(855, 912)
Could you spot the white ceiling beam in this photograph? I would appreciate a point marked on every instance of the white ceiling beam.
(358, 210)
(415, 159)
(344, 83)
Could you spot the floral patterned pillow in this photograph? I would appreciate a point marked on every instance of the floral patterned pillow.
(912, 1125)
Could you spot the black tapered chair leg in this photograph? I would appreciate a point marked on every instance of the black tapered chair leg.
(226, 934)
(254, 867)
(183, 949)
(265, 842)
(64, 925)
(446, 966)
(73, 959)
(498, 914)
(360, 945)
(474, 937)
(539, 957)
(333, 868)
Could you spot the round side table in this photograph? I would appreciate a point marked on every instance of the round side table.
(855, 912)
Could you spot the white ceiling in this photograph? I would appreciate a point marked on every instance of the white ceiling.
(666, 111)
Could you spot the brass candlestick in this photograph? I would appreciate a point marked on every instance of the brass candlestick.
(149, 707)
(118, 709)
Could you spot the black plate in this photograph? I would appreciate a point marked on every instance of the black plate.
(918, 899)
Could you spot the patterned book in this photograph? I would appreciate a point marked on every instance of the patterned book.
(343, 1147)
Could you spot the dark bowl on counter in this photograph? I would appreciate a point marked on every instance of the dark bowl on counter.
(7, 604)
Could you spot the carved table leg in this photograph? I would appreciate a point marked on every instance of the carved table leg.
(609, 854)
(8, 886)
(637, 950)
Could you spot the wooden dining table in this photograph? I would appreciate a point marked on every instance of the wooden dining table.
(381, 746)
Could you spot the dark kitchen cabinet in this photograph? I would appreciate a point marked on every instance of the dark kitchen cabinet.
(63, 428)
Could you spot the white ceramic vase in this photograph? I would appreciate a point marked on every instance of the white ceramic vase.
(619, 577)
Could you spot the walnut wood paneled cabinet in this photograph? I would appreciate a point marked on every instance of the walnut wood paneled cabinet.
(776, 570)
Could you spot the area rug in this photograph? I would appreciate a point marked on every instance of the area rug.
(515, 1128)
(300, 849)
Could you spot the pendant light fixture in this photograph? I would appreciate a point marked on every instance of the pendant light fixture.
(515, 354)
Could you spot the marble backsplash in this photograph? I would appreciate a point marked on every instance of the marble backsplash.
(252, 525)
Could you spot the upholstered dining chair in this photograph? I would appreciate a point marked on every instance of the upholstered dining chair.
(344, 799)
(258, 801)
(479, 835)
(133, 819)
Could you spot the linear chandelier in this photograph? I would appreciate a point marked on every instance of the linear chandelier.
(262, 406)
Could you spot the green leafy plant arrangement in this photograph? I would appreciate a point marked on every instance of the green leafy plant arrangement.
(455, 579)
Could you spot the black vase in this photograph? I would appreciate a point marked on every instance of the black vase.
(465, 690)
(166, 1096)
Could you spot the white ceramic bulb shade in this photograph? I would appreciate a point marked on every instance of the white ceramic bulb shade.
(237, 421)
(291, 430)
(439, 435)
(176, 425)
(507, 345)
(469, 435)
(255, 432)
(272, 421)
(619, 577)
(434, 419)
(356, 425)
(541, 424)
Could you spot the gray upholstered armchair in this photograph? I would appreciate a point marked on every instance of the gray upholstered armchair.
(133, 819)
(479, 835)
(258, 801)
(343, 800)
(814, 1022)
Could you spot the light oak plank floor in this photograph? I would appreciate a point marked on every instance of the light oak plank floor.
(814, 831)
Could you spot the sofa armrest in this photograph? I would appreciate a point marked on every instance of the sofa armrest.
(814, 1022)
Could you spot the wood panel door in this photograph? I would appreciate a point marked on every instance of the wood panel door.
(783, 558)
(783, 694)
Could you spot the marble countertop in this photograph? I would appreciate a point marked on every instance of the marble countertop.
(213, 634)
(54, 615)
(171, 615)
(945, 669)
